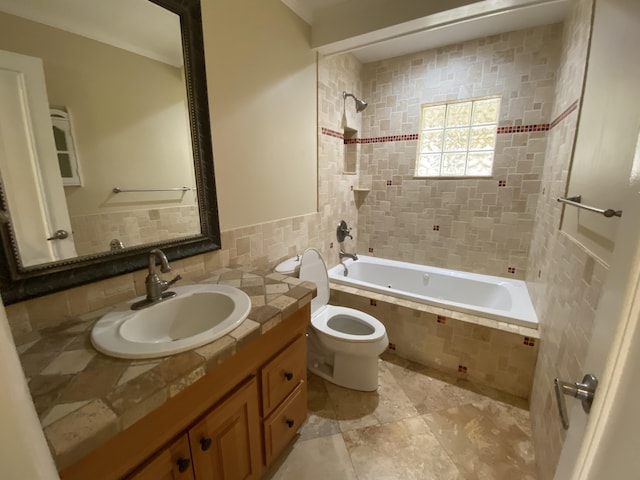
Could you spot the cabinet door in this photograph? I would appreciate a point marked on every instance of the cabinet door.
(172, 463)
(226, 444)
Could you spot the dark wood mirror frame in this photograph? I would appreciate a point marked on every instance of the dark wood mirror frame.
(18, 283)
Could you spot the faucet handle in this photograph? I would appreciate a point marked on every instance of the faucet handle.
(343, 231)
(174, 280)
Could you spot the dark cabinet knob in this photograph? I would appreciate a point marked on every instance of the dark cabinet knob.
(183, 464)
(289, 422)
(205, 443)
(288, 375)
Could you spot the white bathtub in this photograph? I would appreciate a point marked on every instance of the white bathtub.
(484, 295)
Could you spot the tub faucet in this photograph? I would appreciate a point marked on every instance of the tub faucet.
(344, 254)
(155, 285)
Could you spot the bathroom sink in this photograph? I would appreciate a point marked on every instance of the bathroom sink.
(197, 315)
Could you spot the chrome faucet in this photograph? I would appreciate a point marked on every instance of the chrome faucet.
(342, 254)
(155, 285)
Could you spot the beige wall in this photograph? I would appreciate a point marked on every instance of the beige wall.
(128, 112)
(261, 75)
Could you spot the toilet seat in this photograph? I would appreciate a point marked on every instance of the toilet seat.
(332, 320)
(327, 320)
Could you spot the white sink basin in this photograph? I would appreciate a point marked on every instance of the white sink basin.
(197, 315)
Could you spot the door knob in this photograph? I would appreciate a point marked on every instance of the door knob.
(584, 391)
(59, 235)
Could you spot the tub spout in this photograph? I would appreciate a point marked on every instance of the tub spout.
(346, 270)
(344, 254)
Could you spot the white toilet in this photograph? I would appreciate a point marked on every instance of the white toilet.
(343, 344)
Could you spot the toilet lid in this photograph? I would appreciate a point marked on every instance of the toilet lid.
(313, 269)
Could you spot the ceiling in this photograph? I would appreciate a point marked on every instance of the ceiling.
(138, 26)
(158, 35)
(477, 19)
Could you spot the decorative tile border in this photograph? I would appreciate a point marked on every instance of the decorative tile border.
(332, 133)
(565, 114)
(390, 138)
(542, 127)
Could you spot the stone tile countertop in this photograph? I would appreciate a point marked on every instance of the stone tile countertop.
(83, 397)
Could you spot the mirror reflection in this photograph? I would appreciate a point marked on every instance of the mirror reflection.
(94, 110)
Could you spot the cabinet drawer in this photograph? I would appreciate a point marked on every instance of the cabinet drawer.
(283, 374)
(285, 421)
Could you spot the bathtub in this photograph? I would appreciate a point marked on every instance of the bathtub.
(483, 295)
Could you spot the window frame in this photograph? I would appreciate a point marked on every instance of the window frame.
(61, 119)
(468, 127)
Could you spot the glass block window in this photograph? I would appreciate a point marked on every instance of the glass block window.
(457, 139)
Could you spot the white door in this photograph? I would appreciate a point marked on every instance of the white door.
(28, 162)
(604, 445)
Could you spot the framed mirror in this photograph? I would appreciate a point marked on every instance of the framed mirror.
(154, 187)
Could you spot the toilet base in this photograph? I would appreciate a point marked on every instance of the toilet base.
(348, 371)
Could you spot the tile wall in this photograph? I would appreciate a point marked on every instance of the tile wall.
(479, 225)
(92, 233)
(564, 279)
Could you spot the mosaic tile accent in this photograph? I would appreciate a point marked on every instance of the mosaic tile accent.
(565, 114)
(334, 134)
(544, 127)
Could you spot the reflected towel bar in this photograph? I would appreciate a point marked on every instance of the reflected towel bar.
(177, 189)
(576, 202)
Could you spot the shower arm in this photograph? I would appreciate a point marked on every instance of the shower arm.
(360, 104)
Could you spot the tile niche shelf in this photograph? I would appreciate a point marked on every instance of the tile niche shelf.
(360, 194)
(350, 152)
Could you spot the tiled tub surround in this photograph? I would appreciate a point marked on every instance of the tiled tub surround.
(92, 233)
(484, 351)
(483, 225)
(84, 398)
(494, 297)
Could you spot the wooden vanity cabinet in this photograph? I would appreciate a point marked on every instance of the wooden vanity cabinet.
(229, 425)
(225, 445)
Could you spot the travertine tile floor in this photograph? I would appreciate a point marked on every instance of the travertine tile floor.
(420, 424)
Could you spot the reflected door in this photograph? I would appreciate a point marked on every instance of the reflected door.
(28, 162)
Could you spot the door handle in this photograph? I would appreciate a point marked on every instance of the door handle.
(59, 235)
(584, 391)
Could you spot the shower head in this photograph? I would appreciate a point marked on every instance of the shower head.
(360, 104)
